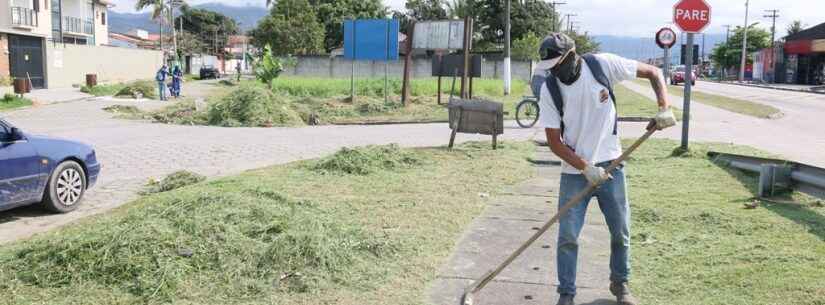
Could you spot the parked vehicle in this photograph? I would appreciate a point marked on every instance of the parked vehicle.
(678, 76)
(35, 169)
(209, 72)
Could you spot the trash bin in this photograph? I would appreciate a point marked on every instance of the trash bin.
(476, 117)
(91, 80)
(22, 86)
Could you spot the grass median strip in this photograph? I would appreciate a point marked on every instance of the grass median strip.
(363, 226)
(632, 104)
(695, 242)
(727, 103)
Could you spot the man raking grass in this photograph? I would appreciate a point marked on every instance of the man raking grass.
(578, 112)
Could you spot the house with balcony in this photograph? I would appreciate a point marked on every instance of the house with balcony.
(27, 26)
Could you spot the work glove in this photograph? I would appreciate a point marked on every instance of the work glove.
(595, 175)
(665, 119)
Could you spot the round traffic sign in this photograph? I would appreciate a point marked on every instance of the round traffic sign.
(692, 16)
(666, 38)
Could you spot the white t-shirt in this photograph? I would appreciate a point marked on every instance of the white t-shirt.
(589, 112)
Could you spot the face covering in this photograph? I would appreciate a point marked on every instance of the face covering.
(569, 70)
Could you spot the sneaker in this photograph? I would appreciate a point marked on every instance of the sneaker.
(565, 299)
(622, 293)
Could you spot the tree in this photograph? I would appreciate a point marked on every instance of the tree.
(208, 26)
(795, 27)
(584, 42)
(525, 17)
(421, 10)
(527, 47)
(159, 11)
(292, 27)
(730, 54)
(461, 8)
(332, 13)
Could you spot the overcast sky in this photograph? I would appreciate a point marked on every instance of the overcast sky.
(637, 17)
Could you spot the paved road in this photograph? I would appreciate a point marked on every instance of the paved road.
(132, 152)
(799, 135)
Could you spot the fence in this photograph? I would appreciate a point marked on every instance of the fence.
(68, 64)
(338, 67)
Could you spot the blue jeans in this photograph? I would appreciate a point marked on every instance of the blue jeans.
(612, 197)
(162, 88)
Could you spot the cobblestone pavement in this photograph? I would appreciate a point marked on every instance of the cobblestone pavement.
(796, 136)
(133, 151)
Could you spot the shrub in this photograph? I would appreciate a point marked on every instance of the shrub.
(103, 90)
(367, 160)
(141, 88)
(173, 181)
(252, 106)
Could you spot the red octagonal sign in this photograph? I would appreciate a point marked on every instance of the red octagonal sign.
(692, 16)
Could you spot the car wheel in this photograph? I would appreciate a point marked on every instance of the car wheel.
(65, 188)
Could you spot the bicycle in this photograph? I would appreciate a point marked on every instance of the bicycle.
(527, 112)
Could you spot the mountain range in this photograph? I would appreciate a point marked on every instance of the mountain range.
(248, 17)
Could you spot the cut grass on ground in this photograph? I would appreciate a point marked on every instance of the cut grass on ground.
(695, 243)
(730, 104)
(103, 90)
(313, 232)
(11, 101)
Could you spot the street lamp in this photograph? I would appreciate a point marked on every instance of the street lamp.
(744, 45)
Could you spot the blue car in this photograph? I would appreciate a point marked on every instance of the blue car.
(35, 169)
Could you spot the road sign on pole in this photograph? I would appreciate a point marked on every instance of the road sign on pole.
(692, 16)
(666, 38)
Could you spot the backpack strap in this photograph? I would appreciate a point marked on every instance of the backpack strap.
(598, 73)
(555, 92)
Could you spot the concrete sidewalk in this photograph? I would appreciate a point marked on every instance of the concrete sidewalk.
(508, 221)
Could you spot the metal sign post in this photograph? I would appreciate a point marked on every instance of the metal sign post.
(688, 87)
(692, 16)
(666, 39)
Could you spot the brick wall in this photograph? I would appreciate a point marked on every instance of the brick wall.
(4, 56)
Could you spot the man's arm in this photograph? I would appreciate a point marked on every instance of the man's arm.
(665, 117)
(657, 81)
(560, 149)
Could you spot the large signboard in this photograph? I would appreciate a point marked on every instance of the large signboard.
(439, 35)
(371, 39)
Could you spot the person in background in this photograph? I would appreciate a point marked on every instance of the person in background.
(160, 77)
(177, 79)
(238, 68)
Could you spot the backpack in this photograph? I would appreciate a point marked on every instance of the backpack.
(161, 75)
(598, 73)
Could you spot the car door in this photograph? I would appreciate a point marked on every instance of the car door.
(20, 170)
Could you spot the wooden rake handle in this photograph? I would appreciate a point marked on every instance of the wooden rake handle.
(479, 284)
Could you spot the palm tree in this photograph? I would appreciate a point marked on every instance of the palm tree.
(795, 27)
(159, 9)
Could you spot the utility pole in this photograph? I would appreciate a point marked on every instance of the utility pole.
(773, 15)
(744, 45)
(569, 20)
(507, 75)
(160, 35)
(724, 73)
(555, 13)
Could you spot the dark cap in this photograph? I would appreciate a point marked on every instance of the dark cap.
(555, 45)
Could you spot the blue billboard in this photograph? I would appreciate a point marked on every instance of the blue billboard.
(371, 39)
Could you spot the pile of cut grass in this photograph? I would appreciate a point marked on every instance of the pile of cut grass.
(11, 101)
(139, 89)
(286, 234)
(103, 90)
(252, 106)
(172, 182)
(367, 160)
